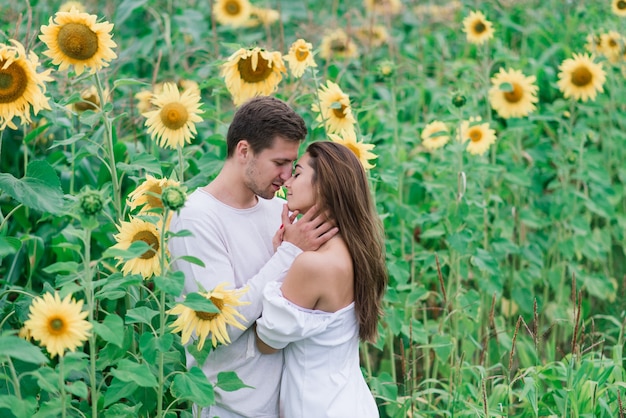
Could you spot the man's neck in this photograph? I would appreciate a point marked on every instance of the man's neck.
(229, 189)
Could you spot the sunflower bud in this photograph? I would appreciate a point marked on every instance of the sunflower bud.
(90, 202)
(385, 69)
(173, 197)
(458, 100)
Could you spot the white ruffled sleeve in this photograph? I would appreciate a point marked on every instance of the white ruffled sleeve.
(283, 322)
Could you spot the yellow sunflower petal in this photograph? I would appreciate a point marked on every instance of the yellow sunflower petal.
(210, 324)
(581, 78)
(252, 72)
(75, 39)
(235, 13)
(434, 135)
(172, 123)
(22, 89)
(477, 28)
(300, 57)
(478, 135)
(57, 324)
(360, 149)
(518, 99)
(149, 263)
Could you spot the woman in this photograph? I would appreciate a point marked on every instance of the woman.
(330, 298)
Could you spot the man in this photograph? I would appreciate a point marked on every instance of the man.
(233, 220)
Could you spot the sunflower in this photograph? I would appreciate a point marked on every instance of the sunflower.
(373, 36)
(438, 13)
(300, 57)
(21, 87)
(69, 5)
(360, 149)
(435, 135)
(619, 7)
(74, 38)
(479, 135)
(581, 78)
(252, 72)
(148, 263)
(232, 12)
(337, 44)
(89, 100)
(612, 46)
(172, 123)
(148, 194)
(144, 97)
(477, 28)
(513, 95)
(57, 324)
(334, 109)
(261, 16)
(594, 44)
(210, 323)
(386, 7)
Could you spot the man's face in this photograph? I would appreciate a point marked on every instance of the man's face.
(268, 170)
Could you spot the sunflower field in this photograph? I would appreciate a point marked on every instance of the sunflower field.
(493, 133)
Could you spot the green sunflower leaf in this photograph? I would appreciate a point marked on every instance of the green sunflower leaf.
(229, 381)
(199, 303)
(139, 373)
(39, 189)
(193, 386)
(18, 348)
(505, 87)
(136, 249)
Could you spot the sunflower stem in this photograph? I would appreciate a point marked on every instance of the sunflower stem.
(181, 165)
(62, 387)
(15, 378)
(109, 143)
(89, 295)
(162, 260)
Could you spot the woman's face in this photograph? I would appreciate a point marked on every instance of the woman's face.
(300, 189)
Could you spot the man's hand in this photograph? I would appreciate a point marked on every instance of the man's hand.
(310, 232)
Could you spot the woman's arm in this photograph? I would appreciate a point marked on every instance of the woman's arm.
(263, 348)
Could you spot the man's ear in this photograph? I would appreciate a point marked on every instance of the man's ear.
(243, 150)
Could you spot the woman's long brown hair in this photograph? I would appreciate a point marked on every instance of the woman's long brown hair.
(342, 185)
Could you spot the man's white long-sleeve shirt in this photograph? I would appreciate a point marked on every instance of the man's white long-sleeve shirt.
(236, 247)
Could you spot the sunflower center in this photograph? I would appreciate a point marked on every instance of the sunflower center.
(479, 27)
(514, 95)
(581, 76)
(232, 8)
(150, 239)
(621, 5)
(254, 75)
(338, 45)
(340, 112)
(13, 82)
(56, 326)
(302, 54)
(475, 135)
(612, 43)
(174, 115)
(78, 41)
(207, 316)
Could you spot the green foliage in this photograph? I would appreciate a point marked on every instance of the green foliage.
(506, 293)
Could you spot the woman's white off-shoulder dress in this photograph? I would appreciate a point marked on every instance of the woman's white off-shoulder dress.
(321, 376)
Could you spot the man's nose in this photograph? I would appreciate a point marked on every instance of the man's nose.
(285, 174)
